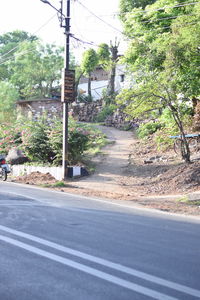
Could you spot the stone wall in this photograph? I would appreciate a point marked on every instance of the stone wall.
(83, 112)
(86, 112)
(120, 120)
(34, 108)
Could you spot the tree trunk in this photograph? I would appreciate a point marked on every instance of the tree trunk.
(111, 83)
(89, 86)
(185, 150)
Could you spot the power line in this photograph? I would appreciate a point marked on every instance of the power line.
(167, 27)
(158, 9)
(11, 50)
(18, 54)
(167, 18)
(108, 24)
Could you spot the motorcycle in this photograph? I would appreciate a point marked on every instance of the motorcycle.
(4, 169)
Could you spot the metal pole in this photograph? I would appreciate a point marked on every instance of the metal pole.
(65, 104)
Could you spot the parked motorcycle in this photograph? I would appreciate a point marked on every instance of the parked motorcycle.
(4, 169)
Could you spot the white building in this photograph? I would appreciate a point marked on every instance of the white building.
(99, 82)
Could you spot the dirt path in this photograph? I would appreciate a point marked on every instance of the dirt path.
(121, 174)
(111, 164)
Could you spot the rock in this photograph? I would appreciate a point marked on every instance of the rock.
(16, 157)
(148, 161)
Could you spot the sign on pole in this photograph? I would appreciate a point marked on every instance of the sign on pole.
(68, 86)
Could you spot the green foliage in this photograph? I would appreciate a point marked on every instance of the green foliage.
(36, 69)
(89, 61)
(42, 141)
(8, 96)
(9, 43)
(162, 140)
(10, 136)
(35, 141)
(147, 129)
(106, 111)
(104, 55)
(164, 58)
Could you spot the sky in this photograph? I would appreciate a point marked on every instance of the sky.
(40, 19)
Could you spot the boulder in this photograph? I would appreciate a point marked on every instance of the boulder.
(15, 157)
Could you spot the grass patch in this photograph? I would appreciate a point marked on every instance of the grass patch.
(183, 199)
(54, 185)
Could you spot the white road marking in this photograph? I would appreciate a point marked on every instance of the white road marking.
(94, 272)
(107, 263)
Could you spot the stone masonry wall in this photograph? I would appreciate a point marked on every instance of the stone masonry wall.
(35, 108)
(86, 112)
(83, 112)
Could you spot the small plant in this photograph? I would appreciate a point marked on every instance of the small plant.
(59, 184)
(147, 129)
(106, 111)
(35, 141)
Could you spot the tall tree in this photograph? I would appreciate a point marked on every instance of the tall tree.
(36, 69)
(108, 58)
(89, 62)
(114, 59)
(164, 56)
(127, 6)
(9, 44)
(8, 96)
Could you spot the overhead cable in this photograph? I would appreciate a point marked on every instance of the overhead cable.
(11, 50)
(108, 24)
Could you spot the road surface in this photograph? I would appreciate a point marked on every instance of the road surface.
(57, 246)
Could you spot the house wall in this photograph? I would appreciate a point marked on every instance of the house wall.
(97, 75)
(101, 82)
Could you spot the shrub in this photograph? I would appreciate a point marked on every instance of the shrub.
(35, 141)
(106, 111)
(42, 142)
(78, 140)
(149, 128)
(10, 136)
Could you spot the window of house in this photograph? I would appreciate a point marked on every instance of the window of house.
(122, 78)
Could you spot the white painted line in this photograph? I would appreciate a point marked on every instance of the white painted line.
(107, 263)
(94, 272)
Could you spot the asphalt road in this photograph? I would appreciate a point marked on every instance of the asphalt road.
(56, 246)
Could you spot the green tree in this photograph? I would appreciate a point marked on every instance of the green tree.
(104, 55)
(164, 57)
(108, 58)
(89, 62)
(127, 6)
(9, 43)
(8, 96)
(36, 69)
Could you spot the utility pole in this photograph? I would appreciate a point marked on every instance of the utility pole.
(65, 103)
(68, 81)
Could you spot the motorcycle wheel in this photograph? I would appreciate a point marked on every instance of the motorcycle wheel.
(3, 175)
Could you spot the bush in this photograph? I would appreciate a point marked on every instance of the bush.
(106, 111)
(42, 142)
(10, 136)
(35, 141)
(149, 128)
